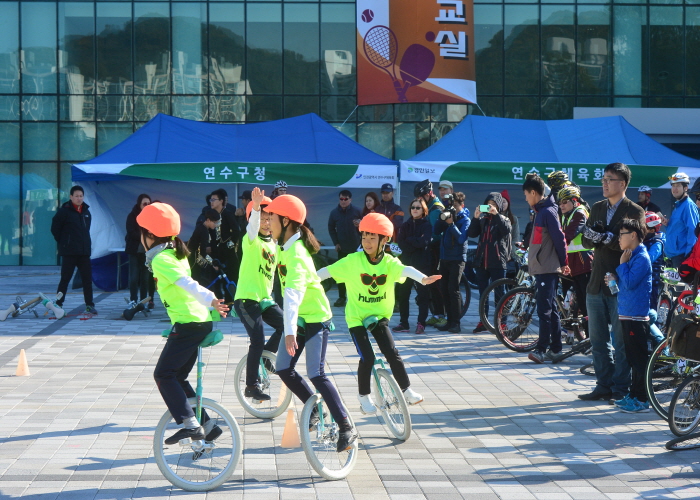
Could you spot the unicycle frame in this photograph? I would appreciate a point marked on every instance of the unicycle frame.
(378, 362)
(200, 389)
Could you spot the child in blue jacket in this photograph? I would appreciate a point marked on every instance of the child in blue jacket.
(634, 282)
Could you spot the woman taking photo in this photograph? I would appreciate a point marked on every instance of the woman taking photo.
(413, 239)
(141, 284)
(371, 203)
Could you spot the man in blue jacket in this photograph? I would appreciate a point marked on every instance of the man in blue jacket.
(453, 255)
(680, 227)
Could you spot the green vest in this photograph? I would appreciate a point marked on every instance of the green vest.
(576, 245)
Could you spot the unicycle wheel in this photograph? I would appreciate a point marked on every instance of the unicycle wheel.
(392, 405)
(270, 384)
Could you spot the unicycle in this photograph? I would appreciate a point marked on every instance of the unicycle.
(200, 465)
(391, 402)
(320, 439)
(270, 384)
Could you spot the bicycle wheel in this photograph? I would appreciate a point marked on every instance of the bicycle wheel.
(483, 317)
(684, 411)
(514, 317)
(392, 405)
(664, 373)
(466, 291)
(270, 384)
(588, 370)
(199, 465)
(319, 443)
(662, 310)
(690, 442)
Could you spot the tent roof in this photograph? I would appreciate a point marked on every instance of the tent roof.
(590, 140)
(302, 139)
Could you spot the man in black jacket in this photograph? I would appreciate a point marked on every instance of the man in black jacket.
(342, 226)
(71, 230)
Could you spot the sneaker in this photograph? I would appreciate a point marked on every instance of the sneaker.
(616, 396)
(420, 329)
(345, 440)
(400, 328)
(256, 394)
(479, 328)
(412, 397)
(442, 327)
(340, 302)
(90, 310)
(441, 322)
(151, 305)
(623, 401)
(431, 321)
(633, 405)
(211, 430)
(550, 355)
(314, 418)
(131, 304)
(196, 434)
(455, 329)
(366, 405)
(536, 356)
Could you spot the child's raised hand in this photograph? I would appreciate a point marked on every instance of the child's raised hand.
(220, 307)
(257, 196)
(431, 279)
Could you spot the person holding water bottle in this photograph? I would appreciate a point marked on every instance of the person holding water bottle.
(187, 304)
(369, 277)
(305, 302)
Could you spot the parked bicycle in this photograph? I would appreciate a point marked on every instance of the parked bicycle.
(667, 305)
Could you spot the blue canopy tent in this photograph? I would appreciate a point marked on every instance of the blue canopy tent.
(172, 159)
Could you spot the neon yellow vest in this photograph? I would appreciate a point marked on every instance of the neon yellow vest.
(576, 245)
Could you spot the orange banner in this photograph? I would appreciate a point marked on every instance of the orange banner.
(415, 51)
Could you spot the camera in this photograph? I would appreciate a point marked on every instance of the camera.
(230, 244)
(449, 211)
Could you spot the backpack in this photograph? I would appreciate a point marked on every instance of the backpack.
(684, 333)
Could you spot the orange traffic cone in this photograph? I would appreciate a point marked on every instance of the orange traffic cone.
(290, 436)
(22, 366)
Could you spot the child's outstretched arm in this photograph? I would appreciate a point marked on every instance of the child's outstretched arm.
(416, 275)
(323, 273)
(202, 295)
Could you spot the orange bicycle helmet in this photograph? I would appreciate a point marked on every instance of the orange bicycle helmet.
(377, 224)
(289, 206)
(160, 219)
(266, 201)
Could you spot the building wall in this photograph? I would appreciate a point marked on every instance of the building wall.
(76, 78)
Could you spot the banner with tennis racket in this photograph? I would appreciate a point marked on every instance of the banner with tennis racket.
(415, 51)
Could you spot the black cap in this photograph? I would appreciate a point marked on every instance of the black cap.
(387, 188)
(248, 195)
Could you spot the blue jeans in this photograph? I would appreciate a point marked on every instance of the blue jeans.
(655, 334)
(602, 314)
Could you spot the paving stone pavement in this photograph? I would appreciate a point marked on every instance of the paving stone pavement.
(493, 424)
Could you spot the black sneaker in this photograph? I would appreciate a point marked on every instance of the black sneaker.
(214, 433)
(444, 328)
(345, 440)
(340, 302)
(151, 305)
(195, 434)
(314, 418)
(90, 310)
(255, 393)
(455, 329)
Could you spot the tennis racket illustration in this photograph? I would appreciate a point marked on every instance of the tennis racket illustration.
(381, 48)
(416, 65)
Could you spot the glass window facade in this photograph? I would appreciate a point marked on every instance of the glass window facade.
(78, 77)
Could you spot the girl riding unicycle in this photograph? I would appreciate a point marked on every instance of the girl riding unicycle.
(369, 278)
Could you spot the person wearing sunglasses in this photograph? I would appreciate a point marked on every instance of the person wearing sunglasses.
(370, 276)
(342, 227)
(633, 277)
(414, 237)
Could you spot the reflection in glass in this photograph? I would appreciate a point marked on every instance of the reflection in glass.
(228, 108)
(377, 137)
(491, 106)
(557, 108)
(263, 108)
(9, 142)
(488, 39)
(414, 112)
(630, 45)
(338, 108)
(189, 64)
(376, 113)
(338, 50)
(692, 53)
(448, 112)
(114, 108)
(558, 51)
(349, 129)
(39, 141)
(522, 49)
(227, 60)
(38, 56)
(265, 49)
(594, 48)
(9, 108)
(410, 139)
(301, 50)
(439, 130)
(37, 107)
(190, 107)
(39, 204)
(9, 212)
(77, 141)
(9, 47)
(114, 34)
(77, 108)
(76, 49)
(148, 106)
(151, 48)
(295, 106)
(665, 58)
(111, 134)
(527, 108)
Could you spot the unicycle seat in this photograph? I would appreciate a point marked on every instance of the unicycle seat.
(212, 338)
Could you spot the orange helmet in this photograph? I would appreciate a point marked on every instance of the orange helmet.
(377, 224)
(288, 205)
(266, 201)
(160, 219)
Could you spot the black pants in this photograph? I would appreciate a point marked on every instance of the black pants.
(437, 301)
(484, 277)
(451, 271)
(68, 265)
(252, 317)
(580, 285)
(635, 335)
(141, 284)
(174, 365)
(342, 294)
(547, 313)
(403, 295)
(382, 335)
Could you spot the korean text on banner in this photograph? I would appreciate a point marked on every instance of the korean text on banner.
(415, 51)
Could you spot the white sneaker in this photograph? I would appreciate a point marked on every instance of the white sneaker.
(366, 405)
(412, 397)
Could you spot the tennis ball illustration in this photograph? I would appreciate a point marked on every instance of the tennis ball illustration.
(367, 15)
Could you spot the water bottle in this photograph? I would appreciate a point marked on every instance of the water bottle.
(612, 284)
